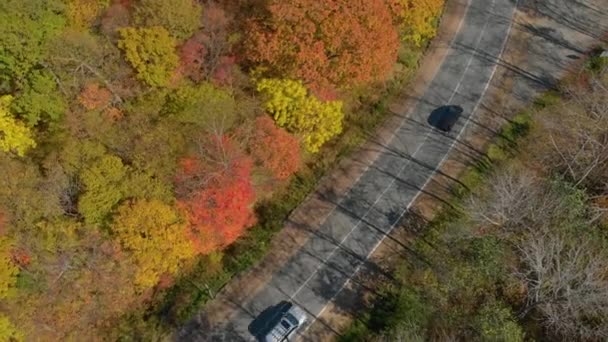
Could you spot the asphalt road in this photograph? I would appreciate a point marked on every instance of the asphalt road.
(379, 198)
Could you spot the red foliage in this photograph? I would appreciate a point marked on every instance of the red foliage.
(325, 43)
(20, 257)
(220, 208)
(206, 55)
(275, 148)
(191, 55)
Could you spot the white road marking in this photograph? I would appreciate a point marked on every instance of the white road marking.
(434, 171)
(337, 247)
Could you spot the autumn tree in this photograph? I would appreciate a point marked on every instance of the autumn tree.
(103, 185)
(179, 17)
(94, 96)
(81, 14)
(8, 331)
(324, 43)
(151, 52)
(216, 191)
(156, 236)
(418, 19)
(277, 150)
(301, 113)
(206, 55)
(15, 136)
(83, 281)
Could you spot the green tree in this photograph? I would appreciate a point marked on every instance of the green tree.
(25, 28)
(495, 322)
(180, 17)
(103, 183)
(301, 113)
(203, 105)
(151, 51)
(39, 100)
(156, 235)
(14, 135)
(8, 270)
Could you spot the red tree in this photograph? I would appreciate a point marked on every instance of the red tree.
(325, 43)
(217, 195)
(206, 55)
(275, 148)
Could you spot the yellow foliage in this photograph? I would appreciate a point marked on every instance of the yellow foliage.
(299, 112)
(418, 19)
(82, 13)
(14, 135)
(8, 332)
(156, 236)
(151, 51)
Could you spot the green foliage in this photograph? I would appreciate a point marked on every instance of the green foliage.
(103, 184)
(294, 109)
(151, 52)
(40, 100)
(180, 17)
(495, 322)
(402, 305)
(15, 136)
(8, 270)
(204, 105)
(25, 28)
(156, 236)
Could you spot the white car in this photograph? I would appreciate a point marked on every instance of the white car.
(286, 327)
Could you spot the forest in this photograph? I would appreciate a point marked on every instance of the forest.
(520, 253)
(142, 140)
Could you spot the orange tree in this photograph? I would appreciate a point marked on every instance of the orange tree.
(332, 43)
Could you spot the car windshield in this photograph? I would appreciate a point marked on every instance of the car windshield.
(292, 319)
(286, 324)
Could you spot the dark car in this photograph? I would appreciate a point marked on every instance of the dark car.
(445, 117)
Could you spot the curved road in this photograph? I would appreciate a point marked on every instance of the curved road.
(372, 207)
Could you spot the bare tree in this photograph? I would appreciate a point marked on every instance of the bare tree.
(567, 283)
(575, 140)
(513, 201)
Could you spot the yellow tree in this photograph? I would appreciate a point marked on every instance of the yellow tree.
(14, 135)
(156, 236)
(82, 13)
(299, 112)
(151, 51)
(419, 19)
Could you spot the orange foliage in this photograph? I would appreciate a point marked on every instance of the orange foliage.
(217, 195)
(325, 43)
(113, 113)
(94, 97)
(275, 148)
